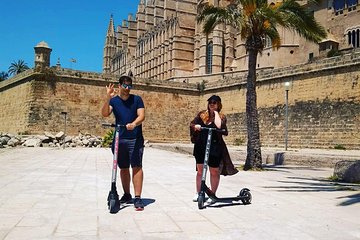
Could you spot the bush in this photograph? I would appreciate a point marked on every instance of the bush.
(333, 52)
(339, 147)
(108, 138)
(239, 141)
(333, 178)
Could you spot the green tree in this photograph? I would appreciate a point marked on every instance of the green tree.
(255, 20)
(17, 67)
(3, 76)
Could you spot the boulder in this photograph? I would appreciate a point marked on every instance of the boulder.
(32, 142)
(68, 139)
(348, 171)
(49, 135)
(13, 142)
(60, 135)
(4, 139)
(85, 142)
(44, 139)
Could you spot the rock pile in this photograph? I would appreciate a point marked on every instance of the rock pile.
(50, 140)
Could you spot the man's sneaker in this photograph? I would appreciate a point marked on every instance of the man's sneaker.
(138, 204)
(126, 198)
(195, 199)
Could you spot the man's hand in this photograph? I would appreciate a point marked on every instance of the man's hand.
(130, 126)
(110, 91)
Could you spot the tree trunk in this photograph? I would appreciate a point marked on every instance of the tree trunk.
(253, 158)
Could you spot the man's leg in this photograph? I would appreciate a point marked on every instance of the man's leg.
(125, 179)
(138, 177)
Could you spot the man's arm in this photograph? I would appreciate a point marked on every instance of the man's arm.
(107, 109)
(138, 120)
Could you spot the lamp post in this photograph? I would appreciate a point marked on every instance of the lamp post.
(64, 113)
(287, 87)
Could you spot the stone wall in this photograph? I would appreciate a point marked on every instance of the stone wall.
(34, 105)
(15, 99)
(324, 104)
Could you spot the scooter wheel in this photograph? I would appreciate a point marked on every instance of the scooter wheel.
(201, 200)
(112, 206)
(245, 196)
(242, 192)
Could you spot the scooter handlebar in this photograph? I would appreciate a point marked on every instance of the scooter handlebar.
(213, 129)
(112, 125)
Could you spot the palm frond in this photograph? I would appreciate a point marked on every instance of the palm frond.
(299, 19)
(212, 16)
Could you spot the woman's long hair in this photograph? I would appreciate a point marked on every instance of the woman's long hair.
(205, 115)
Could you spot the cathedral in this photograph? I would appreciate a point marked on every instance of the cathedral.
(163, 41)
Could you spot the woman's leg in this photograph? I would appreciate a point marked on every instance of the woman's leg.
(214, 178)
(198, 176)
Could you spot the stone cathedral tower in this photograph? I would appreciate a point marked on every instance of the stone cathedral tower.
(158, 43)
(163, 41)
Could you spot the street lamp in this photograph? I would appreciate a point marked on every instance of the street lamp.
(64, 113)
(287, 87)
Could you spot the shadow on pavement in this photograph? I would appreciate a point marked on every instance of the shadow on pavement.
(352, 199)
(303, 184)
(221, 204)
(146, 201)
(284, 168)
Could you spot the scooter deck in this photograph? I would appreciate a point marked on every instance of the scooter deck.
(224, 199)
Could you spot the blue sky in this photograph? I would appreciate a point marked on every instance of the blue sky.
(73, 29)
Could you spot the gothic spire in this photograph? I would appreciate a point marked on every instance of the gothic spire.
(110, 46)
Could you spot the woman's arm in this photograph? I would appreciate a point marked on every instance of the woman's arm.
(223, 125)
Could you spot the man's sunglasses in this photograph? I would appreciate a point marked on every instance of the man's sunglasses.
(128, 86)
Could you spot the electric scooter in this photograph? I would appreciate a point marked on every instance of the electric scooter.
(244, 195)
(113, 197)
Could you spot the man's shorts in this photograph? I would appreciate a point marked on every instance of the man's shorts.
(130, 152)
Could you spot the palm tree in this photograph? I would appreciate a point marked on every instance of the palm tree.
(255, 20)
(3, 76)
(17, 67)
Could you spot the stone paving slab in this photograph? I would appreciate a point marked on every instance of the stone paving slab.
(48, 193)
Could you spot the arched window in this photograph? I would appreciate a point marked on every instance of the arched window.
(209, 56)
(267, 42)
(349, 38)
(354, 38)
(223, 57)
(353, 41)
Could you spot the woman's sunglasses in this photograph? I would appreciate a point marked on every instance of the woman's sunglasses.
(128, 86)
(212, 102)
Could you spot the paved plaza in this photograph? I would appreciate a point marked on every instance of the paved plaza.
(48, 193)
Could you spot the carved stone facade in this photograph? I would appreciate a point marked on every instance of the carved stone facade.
(158, 44)
(164, 41)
